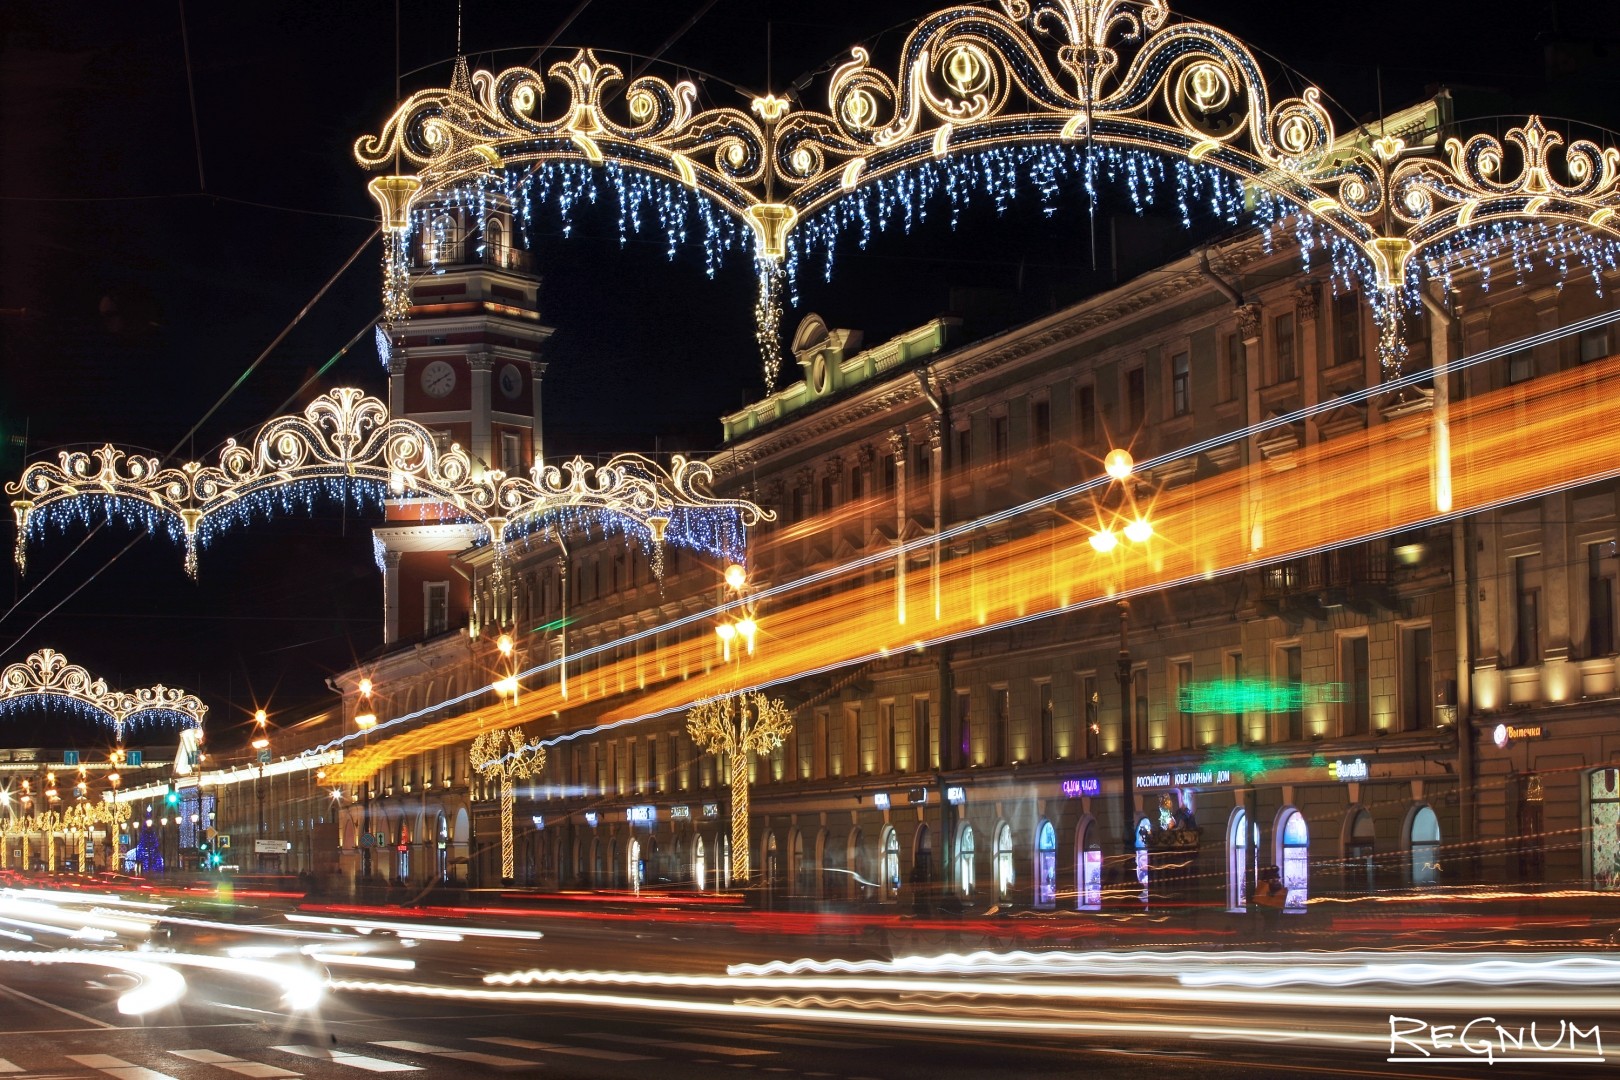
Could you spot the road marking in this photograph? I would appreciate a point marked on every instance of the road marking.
(696, 1048)
(233, 1064)
(558, 1048)
(476, 1058)
(343, 1057)
(117, 1067)
(51, 1005)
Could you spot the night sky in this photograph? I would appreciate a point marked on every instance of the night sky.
(146, 261)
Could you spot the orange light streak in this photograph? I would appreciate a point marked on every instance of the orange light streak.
(1555, 432)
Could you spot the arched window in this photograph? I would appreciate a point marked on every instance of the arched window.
(1359, 846)
(1603, 787)
(723, 874)
(1425, 843)
(891, 864)
(700, 865)
(1003, 861)
(1046, 866)
(1294, 858)
(922, 854)
(965, 871)
(1239, 859)
(497, 248)
(1088, 865)
(633, 868)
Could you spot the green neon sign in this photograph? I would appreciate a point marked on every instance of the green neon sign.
(1256, 695)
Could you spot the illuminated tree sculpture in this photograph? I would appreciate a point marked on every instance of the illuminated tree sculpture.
(506, 757)
(735, 727)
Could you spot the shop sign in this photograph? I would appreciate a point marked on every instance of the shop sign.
(1184, 778)
(1076, 786)
(1348, 771)
(641, 815)
(680, 813)
(956, 796)
(881, 800)
(1506, 733)
(590, 818)
(711, 809)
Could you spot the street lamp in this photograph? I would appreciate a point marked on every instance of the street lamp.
(1128, 519)
(365, 722)
(507, 685)
(741, 724)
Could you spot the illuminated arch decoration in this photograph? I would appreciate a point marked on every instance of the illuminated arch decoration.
(995, 99)
(346, 446)
(47, 675)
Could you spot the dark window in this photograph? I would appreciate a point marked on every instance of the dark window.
(1417, 667)
(1136, 396)
(1184, 678)
(964, 447)
(1234, 366)
(922, 727)
(1346, 328)
(1048, 750)
(1600, 598)
(887, 473)
(1527, 622)
(1283, 337)
(1139, 706)
(922, 460)
(801, 499)
(856, 486)
(1594, 344)
(1040, 424)
(1520, 366)
(652, 764)
(998, 734)
(886, 718)
(1086, 407)
(998, 439)
(1292, 676)
(1353, 672)
(964, 730)
(438, 607)
(829, 492)
(1181, 384)
(1092, 715)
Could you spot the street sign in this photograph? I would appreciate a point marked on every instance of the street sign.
(224, 840)
(367, 840)
(264, 756)
(271, 847)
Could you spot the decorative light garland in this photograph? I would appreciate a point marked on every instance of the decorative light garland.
(1000, 99)
(46, 678)
(346, 447)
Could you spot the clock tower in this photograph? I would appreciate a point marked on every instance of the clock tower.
(466, 364)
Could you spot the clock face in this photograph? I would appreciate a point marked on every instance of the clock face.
(511, 381)
(438, 379)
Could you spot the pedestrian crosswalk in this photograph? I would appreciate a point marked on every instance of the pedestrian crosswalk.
(291, 1061)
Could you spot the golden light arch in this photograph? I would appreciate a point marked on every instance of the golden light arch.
(1068, 79)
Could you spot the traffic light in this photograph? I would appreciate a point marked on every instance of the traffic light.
(173, 797)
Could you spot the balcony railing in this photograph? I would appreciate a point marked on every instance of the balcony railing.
(1357, 577)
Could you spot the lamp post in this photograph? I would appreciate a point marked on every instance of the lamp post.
(365, 722)
(741, 724)
(1105, 541)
